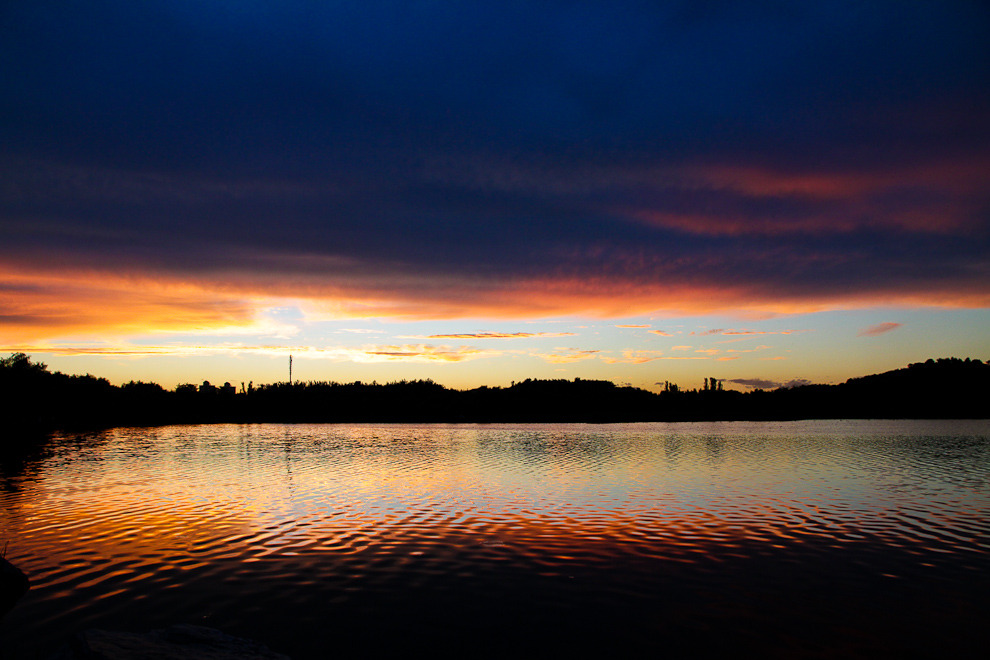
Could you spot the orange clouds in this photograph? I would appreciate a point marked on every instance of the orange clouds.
(367, 353)
(126, 350)
(70, 302)
(566, 355)
(621, 295)
(38, 306)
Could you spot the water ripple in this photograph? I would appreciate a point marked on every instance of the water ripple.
(673, 529)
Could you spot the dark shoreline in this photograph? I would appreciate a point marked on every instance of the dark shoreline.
(39, 401)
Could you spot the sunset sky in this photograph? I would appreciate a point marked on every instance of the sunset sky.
(477, 193)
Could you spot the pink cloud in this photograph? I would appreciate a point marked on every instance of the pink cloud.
(423, 352)
(500, 335)
(723, 331)
(878, 329)
(854, 192)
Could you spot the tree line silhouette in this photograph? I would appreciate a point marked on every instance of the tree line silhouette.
(37, 399)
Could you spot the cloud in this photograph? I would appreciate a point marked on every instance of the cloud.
(721, 331)
(371, 353)
(797, 382)
(733, 340)
(878, 329)
(39, 306)
(754, 201)
(661, 333)
(756, 383)
(123, 351)
(565, 163)
(635, 357)
(502, 335)
(423, 353)
(747, 350)
(564, 356)
(628, 325)
(764, 384)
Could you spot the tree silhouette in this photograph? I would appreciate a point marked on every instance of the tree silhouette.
(38, 399)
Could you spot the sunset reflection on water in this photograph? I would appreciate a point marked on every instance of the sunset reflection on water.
(779, 537)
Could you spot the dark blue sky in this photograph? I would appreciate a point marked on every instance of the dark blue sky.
(496, 156)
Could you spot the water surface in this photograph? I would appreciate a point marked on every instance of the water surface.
(794, 539)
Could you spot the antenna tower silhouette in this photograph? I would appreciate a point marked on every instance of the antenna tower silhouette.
(290, 369)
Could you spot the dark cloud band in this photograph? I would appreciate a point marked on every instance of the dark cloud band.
(511, 159)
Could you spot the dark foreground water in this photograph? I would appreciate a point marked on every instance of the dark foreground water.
(798, 539)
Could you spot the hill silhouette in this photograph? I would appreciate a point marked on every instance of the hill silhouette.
(37, 399)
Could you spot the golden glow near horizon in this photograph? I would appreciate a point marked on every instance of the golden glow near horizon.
(642, 351)
(171, 331)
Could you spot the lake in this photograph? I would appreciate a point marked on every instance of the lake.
(788, 539)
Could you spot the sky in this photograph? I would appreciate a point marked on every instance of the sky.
(766, 193)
